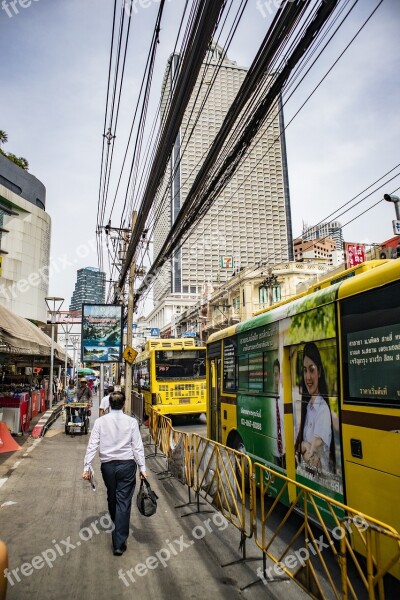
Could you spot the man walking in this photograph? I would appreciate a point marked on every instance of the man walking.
(104, 407)
(121, 451)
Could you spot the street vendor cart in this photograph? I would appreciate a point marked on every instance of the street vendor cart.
(77, 417)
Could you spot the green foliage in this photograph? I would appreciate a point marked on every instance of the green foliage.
(20, 161)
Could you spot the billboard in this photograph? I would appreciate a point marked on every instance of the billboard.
(101, 333)
(355, 254)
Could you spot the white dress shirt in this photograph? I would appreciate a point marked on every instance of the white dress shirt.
(105, 403)
(118, 438)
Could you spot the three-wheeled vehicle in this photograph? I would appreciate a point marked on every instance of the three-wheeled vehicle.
(77, 417)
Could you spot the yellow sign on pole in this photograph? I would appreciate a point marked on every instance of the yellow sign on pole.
(129, 354)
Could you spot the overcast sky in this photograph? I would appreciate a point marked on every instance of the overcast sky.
(53, 71)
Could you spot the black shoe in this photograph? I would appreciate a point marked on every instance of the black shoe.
(119, 551)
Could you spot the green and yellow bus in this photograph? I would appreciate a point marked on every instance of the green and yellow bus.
(311, 388)
(171, 375)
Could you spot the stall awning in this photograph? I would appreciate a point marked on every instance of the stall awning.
(20, 336)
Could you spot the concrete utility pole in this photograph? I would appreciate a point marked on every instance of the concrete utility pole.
(129, 323)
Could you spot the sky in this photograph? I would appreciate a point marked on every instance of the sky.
(53, 71)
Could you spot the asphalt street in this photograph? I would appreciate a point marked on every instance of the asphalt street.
(58, 534)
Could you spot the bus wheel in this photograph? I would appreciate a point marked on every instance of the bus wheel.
(236, 443)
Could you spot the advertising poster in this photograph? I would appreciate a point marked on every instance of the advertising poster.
(259, 399)
(315, 413)
(101, 333)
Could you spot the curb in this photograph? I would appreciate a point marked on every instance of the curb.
(45, 421)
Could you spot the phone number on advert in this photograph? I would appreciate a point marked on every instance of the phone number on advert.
(251, 424)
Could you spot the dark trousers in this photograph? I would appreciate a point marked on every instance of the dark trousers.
(120, 479)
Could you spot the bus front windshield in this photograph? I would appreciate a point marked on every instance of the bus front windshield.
(180, 364)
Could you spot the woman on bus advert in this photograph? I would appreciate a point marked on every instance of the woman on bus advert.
(315, 441)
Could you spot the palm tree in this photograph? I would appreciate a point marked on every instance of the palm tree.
(3, 137)
(18, 160)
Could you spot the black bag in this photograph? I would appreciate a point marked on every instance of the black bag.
(146, 499)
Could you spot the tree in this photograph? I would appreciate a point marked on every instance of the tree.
(3, 137)
(20, 161)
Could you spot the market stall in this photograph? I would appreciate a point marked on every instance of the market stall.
(24, 363)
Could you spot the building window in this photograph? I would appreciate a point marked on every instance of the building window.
(263, 295)
(236, 303)
(276, 293)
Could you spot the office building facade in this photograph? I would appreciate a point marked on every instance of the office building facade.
(90, 288)
(25, 229)
(250, 221)
(331, 229)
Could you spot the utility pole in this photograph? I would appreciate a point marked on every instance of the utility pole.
(128, 366)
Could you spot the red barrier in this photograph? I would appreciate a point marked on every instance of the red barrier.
(7, 443)
(35, 404)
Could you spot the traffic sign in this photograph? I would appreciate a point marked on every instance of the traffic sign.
(191, 334)
(154, 332)
(129, 354)
(396, 227)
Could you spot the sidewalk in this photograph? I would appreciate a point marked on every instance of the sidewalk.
(58, 535)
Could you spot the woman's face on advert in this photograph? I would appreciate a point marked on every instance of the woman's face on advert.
(311, 376)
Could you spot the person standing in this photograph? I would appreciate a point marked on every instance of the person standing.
(104, 407)
(121, 451)
(70, 391)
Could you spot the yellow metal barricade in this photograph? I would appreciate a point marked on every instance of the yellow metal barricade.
(321, 558)
(180, 457)
(160, 427)
(220, 475)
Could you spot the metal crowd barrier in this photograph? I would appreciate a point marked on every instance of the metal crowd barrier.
(137, 406)
(219, 477)
(327, 548)
(321, 558)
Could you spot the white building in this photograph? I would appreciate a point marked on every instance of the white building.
(24, 242)
(331, 229)
(250, 219)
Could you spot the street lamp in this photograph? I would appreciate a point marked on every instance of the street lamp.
(396, 202)
(53, 304)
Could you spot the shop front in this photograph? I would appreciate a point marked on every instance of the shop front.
(24, 370)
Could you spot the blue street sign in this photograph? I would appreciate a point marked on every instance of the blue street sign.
(154, 332)
(191, 334)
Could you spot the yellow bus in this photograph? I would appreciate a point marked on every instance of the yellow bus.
(311, 388)
(171, 375)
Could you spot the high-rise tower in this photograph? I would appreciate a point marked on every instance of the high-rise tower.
(251, 220)
(90, 288)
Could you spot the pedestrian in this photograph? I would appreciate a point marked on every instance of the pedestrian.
(105, 387)
(84, 393)
(70, 391)
(104, 407)
(121, 451)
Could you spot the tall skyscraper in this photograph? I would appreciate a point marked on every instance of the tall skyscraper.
(90, 288)
(331, 229)
(251, 220)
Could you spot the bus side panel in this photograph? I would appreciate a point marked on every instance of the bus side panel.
(228, 418)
